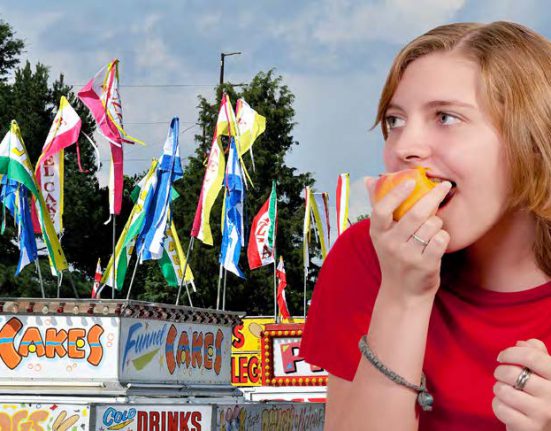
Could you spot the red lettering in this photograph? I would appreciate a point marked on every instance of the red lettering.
(172, 423)
(196, 420)
(49, 161)
(48, 171)
(184, 419)
(49, 186)
(239, 338)
(142, 421)
(154, 421)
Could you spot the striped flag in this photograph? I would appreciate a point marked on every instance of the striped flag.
(101, 96)
(307, 226)
(150, 241)
(282, 283)
(261, 247)
(214, 174)
(133, 226)
(15, 165)
(173, 260)
(233, 237)
(320, 213)
(97, 280)
(343, 198)
(15, 198)
(49, 171)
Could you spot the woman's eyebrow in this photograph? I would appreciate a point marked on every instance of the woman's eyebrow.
(437, 104)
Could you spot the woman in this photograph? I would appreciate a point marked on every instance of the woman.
(457, 291)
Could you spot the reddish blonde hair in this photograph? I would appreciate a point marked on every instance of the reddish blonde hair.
(515, 66)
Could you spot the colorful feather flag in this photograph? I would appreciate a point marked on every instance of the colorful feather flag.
(150, 242)
(307, 226)
(233, 237)
(173, 260)
(343, 198)
(320, 213)
(250, 125)
(97, 280)
(133, 226)
(49, 170)
(282, 283)
(15, 165)
(15, 197)
(262, 238)
(214, 174)
(101, 96)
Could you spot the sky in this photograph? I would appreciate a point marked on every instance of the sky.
(332, 54)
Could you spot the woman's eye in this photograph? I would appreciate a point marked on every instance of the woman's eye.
(393, 122)
(447, 119)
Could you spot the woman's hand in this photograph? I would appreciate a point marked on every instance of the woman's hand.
(409, 266)
(528, 409)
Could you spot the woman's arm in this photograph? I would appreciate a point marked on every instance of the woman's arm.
(397, 335)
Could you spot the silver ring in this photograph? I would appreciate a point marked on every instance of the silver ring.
(522, 379)
(420, 241)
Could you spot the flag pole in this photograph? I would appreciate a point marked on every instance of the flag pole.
(276, 317)
(305, 279)
(189, 248)
(40, 277)
(224, 293)
(114, 258)
(132, 279)
(218, 294)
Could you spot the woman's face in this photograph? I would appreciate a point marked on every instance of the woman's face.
(436, 119)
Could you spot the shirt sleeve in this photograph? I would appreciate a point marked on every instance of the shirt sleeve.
(342, 303)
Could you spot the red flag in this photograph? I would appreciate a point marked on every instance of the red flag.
(97, 280)
(281, 301)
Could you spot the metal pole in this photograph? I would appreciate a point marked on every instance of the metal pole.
(305, 279)
(40, 278)
(222, 55)
(133, 274)
(218, 294)
(114, 259)
(189, 248)
(276, 317)
(224, 294)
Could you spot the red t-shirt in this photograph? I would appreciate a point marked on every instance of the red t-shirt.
(468, 328)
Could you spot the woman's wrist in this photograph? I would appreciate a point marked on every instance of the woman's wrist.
(396, 296)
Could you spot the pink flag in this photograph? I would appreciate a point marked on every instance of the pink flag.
(281, 300)
(101, 96)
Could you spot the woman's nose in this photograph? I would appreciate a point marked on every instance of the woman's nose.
(412, 145)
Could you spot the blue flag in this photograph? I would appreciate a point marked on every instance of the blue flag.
(15, 199)
(157, 215)
(233, 237)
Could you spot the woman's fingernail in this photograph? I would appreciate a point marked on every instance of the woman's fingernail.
(499, 357)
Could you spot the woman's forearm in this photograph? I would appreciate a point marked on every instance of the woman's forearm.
(397, 335)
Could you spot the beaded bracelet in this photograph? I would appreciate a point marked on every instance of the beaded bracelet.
(424, 399)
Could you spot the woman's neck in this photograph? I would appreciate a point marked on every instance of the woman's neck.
(503, 260)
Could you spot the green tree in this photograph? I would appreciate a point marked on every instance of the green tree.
(268, 95)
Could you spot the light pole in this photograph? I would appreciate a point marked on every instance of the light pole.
(222, 56)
